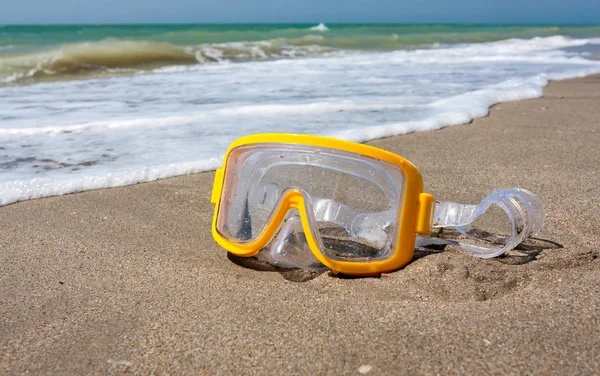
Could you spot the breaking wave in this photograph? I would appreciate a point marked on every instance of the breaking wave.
(111, 57)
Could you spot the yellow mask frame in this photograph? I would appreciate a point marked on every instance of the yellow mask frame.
(415, 217)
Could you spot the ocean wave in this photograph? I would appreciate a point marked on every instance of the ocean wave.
(113, 57)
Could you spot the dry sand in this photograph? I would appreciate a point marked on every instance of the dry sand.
(130, 280)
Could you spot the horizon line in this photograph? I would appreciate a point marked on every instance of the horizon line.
(304, 23)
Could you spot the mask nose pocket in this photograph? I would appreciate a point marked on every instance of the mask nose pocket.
(289, 248)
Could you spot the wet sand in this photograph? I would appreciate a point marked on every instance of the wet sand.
(129, 280)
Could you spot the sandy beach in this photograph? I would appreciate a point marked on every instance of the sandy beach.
(129, 280)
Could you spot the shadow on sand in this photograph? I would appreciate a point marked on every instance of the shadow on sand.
(525, 252)
(293, 275)
(522, 254)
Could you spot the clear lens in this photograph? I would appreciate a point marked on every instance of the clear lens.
(353, 201)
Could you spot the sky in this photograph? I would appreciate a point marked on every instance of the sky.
(298, 11)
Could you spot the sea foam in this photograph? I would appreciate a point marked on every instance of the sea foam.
(70, 136)
(320, 27)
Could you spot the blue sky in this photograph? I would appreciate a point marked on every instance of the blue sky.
(310, 11)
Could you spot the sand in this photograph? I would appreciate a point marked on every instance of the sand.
(129, 280)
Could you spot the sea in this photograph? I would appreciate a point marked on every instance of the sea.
(92, 106)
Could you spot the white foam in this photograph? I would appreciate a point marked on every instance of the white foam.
(102, 126)
(27, 189)
(65, 137)
(320, 27)
(175, 120)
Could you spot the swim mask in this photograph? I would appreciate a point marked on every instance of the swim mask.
(302, 201)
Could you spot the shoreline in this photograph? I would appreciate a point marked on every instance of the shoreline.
(130, 279)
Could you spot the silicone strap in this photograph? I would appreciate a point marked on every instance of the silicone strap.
(524, 211)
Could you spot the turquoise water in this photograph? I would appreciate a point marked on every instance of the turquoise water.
(31, 54)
